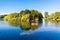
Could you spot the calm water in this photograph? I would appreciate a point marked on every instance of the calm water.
(44, 31)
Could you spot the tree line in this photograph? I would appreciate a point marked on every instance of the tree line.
(24, 15)
(30, 15)
(52, 16)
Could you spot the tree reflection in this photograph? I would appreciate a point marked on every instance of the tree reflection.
(26, 25)
(55, 21)
(52, 21)
(30, 25)
(13, 23)
(46, 20)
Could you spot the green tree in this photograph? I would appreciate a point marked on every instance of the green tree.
(46, 15)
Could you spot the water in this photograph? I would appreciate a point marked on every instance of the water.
(44, 31)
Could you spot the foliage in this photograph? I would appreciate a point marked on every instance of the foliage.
(24, 15)
(46, 15)
(11, 16)
(2, 17)
(55, 16)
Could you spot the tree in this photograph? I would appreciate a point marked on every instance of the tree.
(11, 16)
(46, 15)
(55, 16)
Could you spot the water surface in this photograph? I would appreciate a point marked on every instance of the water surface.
(47, 30)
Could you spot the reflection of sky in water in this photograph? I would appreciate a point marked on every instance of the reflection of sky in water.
(45, 30)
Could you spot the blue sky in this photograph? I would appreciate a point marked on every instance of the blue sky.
(8, 6)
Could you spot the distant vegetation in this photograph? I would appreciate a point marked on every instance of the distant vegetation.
(29, 15)
(2, 17)
(52, 16)
(24, 15)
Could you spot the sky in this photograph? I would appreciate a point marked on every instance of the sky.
(9, 6)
